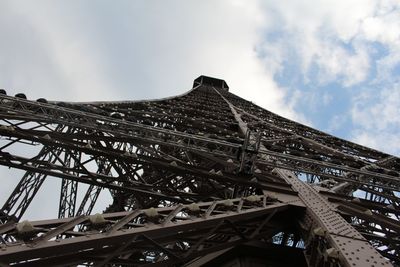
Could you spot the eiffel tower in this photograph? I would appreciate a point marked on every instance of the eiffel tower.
(201, 179)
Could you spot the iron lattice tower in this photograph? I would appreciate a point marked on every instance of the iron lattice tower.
(202, 179)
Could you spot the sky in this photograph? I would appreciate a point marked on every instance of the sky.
(331, 64)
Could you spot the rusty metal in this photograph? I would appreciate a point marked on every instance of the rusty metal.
(184, 174)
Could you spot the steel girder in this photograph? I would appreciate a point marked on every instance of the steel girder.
(329, 166)
(163, 236)
(205, 145)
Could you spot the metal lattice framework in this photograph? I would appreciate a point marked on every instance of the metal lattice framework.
(192, 178)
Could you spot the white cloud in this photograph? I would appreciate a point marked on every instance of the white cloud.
(337, 64)
(53, 60)
(388, 142)
(336, 122)
(335, 37)
(377, 123)
(137, 49)
(383, 113)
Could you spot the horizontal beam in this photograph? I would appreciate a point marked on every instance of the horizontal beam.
(112, 230)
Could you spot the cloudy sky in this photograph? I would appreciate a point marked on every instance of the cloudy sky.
(332, 64)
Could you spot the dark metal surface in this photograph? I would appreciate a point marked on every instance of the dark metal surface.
(206, 146)
(175, 232)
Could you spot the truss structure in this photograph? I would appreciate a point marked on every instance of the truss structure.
(201, 179)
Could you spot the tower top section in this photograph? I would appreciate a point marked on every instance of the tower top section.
(210, 81)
